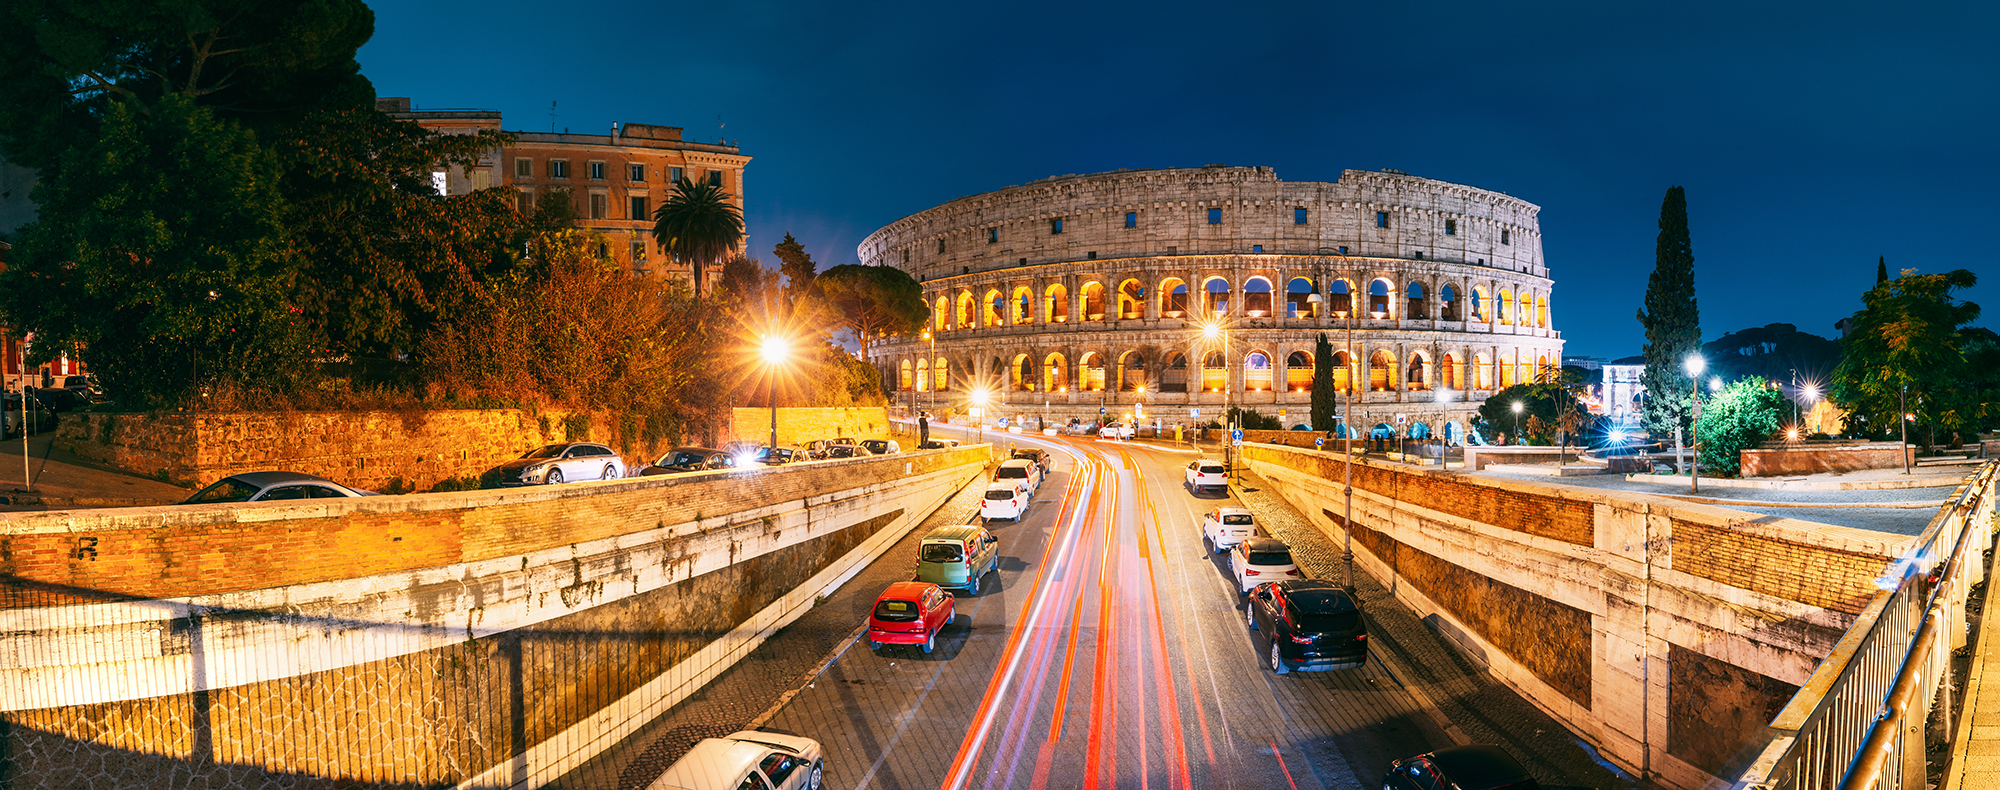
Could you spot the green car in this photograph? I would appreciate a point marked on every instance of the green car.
(956, 557)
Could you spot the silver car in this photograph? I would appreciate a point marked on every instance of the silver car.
(271, 487)
(557, 463)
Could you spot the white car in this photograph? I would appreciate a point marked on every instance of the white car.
(556, 463)
(749, 759)
(1022, 469)
(1116, 430)
(1260, 560)
(1207, 473)
(1003, 499)
(1225, 527)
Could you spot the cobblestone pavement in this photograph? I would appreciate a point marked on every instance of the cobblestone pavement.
(1855, 513)
(1486, 710)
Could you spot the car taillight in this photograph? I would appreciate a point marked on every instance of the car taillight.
(1292, 572)
(1361, 638)
(1304, 639)
(1249, 572)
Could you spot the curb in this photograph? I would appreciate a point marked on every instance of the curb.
(806, 679)
(1961, 740)
(18, 500)
(1401, 674)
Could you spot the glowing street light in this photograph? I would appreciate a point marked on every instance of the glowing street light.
(1444, 397)
(774, 350)
(1517, 422)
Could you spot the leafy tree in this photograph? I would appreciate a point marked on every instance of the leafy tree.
(697, 225)
(1671, 319)
(1541, 413)
(1772, 351)
(870, 302)
(1904, 347)
(1743, 415)
(799, 271)
(1325, 401)
(1250, 420)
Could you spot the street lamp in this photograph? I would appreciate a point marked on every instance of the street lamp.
(1517, 422)
(979, 410)
(1695, 365)
(774, 351)
(1444, 423)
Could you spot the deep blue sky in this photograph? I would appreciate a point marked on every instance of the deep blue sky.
(1811, 137)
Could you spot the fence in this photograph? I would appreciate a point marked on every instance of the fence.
(1871, 697)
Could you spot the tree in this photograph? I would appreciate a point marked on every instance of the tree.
(1743, 415)
(869, 302)
(697, 225)
(1671, 319)
(799, 271)
(1541, 414)
(1772, 351)
(1881, 269)
(1903, 354)
(1325, 401)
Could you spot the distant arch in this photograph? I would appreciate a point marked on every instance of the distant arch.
(1216, 293)
(1343, 371)
(1447, 304)
(1214, 372)
(1482, 373)
(1173, 297)
(1542, 311)
(995, 306)
(1527, 314)
(1055, 304)
(1257, 297)
(1416, 378)
(1024, 305)
(1381, 372)
(965, 301)
(1453, 376)
(1021, 374)
(1131, 371)
(1299, 371)
(1298, 298)
(1174, 377)
(1055, 373)
(1506, 301)
(1378, 299)
(940, 312)
(940, 377)
(1419, 305)
(1343, 297)
(1480, 312)
(905, 381)
(1091, 365)
(1131, 300)
(1093, 301)
(1257, 372)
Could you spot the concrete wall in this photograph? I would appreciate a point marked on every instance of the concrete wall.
(1666, 634)
(489, 639)
(1809, 459)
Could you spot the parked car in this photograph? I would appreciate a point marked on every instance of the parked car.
(1260, 560)
(910, 613)
(62, 400)
(38, 417)
(881, 446)
(847, 451)
(271, 487)
(1116, 430)
(1205, 474)
(752, 759)
(1038, 455)
(955, 558)
(1475, 767)
(938, 444)
(557, 463)
(1224, 527)
(1003, 499)
(1020, 469)
(778, 456)
(682, 460)
(85, 386)
(1308, 625)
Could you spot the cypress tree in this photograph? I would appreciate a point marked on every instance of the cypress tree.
(1324, 400)
(1672, 322)
(1881, 270)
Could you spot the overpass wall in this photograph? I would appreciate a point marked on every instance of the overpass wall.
(1666, 634)
(484, 639)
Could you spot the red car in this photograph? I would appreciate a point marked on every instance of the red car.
(910, 613)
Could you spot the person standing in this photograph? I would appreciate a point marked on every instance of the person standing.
(923, 430)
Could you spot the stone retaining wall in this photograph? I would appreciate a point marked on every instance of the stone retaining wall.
(1812, 459)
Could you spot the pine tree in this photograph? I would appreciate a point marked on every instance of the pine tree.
(798, 268)
(1325, 402)
(1881, 270)
(1672, 322)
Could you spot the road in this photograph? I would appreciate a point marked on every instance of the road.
(1111, 652)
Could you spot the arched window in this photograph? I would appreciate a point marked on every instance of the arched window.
(1479, 309)
(1343, 371)
(995, 308)
(1055, 374)
(903, 381)
(1131, 299)
(1257, 372)
(1024, 305)
(1419, 309)
(1092, 366)
(1414, 379)
(1542, 312)
(1543, 370)
(1448, 304)
(1214, 372)
(1257, 297)
(939, 377)
(1174, 297)
(1506, 306)
(1454, 372)
(1527, 314)
(1378, 299)
(1482, 373)
(1174, 378)
(1381, 372)
(923, 375)
(964, 319)
(1298, 298)
(1022, 374)
(1299, 371)
(1131, 371)
(1093, 302)
(1217, 295)
(1343, 297)
(940, 312)
(1506, 365)
(1056, 304)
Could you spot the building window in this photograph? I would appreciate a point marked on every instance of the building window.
(524, 168)
(1482, 261)
(559, 168)
(1055, 227)
(597, 171)
(1215, 216)
(599, 205)
(639, 207)
(1131, 219)
(1343, 250)
(1420, 255)
(1381, 219)
(715, 178)
(1451, 227)
(524, 201)
(1298, 216)
(635, 172)
(1256, 248)
(638, 250)
(940, 246)
(603, 250)
(1504, 236)
(992, 235)
(1091, 255)
(1024, 262)
(441, 182)
(675, 174)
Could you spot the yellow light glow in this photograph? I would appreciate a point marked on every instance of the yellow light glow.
(774, 349)
(979, 397)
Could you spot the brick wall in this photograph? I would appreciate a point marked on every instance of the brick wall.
(1810, 459)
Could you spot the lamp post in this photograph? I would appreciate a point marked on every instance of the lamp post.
(1347, 439)
(774, 351)
(1902, 399)
(1695, 364)
(1517, 422)
(1444, 423)
(932, 362)
(979, 411)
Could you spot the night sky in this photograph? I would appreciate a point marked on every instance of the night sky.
(1811, 137)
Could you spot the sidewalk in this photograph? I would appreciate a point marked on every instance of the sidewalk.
(62, 481)
(1975, 747)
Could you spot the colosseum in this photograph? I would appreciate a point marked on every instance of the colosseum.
(1171, 294)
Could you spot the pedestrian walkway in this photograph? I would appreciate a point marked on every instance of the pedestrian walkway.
(1975, 748)
(54, 480)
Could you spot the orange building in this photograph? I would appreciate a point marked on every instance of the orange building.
(616, 180)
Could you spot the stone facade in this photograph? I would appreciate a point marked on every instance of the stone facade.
(1080, 293)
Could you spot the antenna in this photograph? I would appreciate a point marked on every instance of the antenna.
(552, 116)
(718, 128)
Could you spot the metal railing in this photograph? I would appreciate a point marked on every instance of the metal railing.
(1850, 725)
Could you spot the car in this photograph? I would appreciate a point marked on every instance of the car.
(682, 460)
(1116, 430)
(955, 558)
(778, 456)
(1206, 473)
(938, 444)
(61, 400)
(272, 487)
(910, 613)
(748, 759)
(85, 386)
(556, 463)
(1473, 767)
(1260, 560)
(1003, 499)
(847, 451)
(38, 417)
(881, 446)
(1224, 527)
(1040, 456)
(1020, 469)
(1307, 625)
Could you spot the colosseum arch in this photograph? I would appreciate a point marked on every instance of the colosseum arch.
(1298, 372)
(1542, 311)
(1448, 304)
(1527, 312)
(939, 313)
(965, 301)
(1480, 310)
(923, 375)
(904, 380)
(1343, 371)
(1055, 373)
(1378, 299)
(1021, 374)
(1343, 297)
(1417, 377)
(1419, 305)
(1482, 373)
(994, 306)
(1214, 372)
(1091, 369)
(1174, 375)
(1055, 304)
(1257, 372)
(1173, 297)
(1257, 297)
(1507, 370)
(1131, 371)
(1506, 305)
(941, 376)
(1131, 299)
(1023, 305)
(1298, 298)
(1453, 377)
(1093, 301)
(1382, 372)
(1215, 297)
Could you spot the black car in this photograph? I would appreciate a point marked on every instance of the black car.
(1308, 625)
(681, 460)
(775, 456)
(1476, 767)
(62, 400)
(1036, 454)
(881, 446)
(39, 417)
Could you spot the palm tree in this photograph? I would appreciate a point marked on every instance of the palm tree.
(697, 224)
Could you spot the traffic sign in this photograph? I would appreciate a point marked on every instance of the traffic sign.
(1402, 419)
(1236, 435)
(1319, 442)
(1100, 411)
